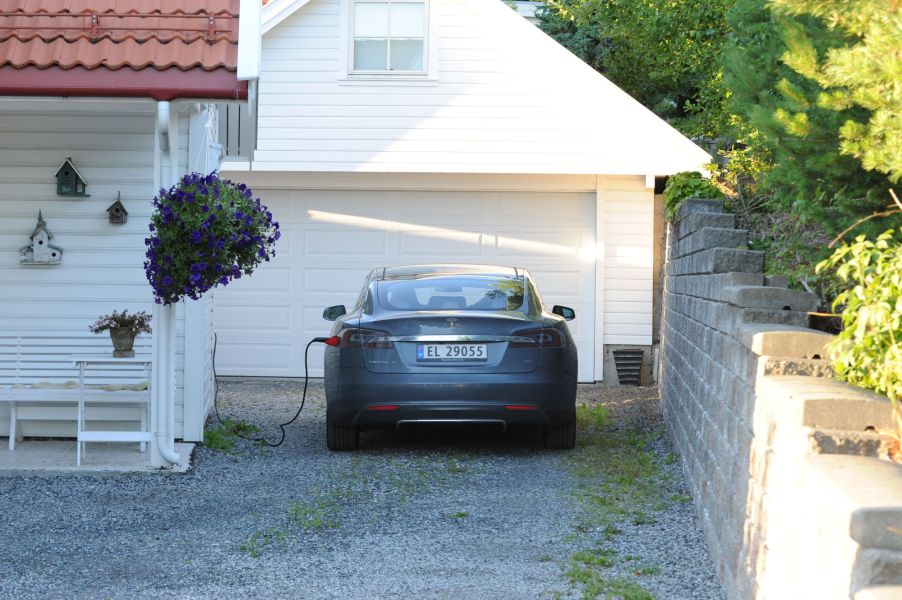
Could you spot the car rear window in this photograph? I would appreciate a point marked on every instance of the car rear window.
(452, 293)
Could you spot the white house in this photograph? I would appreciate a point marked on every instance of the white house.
(127, 99)
(411, 131)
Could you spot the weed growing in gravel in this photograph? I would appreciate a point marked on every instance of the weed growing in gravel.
(619, 480)
(318, 514)
(219, 439)
(364, 480)
(223, 438)
(259, 539)
(595, 584)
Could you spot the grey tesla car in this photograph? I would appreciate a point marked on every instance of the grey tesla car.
(449, 344)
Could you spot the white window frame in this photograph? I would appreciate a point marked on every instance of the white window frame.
(347, 74)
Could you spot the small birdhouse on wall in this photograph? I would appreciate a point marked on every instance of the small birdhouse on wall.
(69, 181)
(117, 213)
(41, 251)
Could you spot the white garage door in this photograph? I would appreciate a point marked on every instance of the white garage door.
(331, 240)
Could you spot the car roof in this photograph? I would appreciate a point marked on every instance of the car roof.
(416, 271)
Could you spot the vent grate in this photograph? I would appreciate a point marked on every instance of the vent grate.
(628, 364)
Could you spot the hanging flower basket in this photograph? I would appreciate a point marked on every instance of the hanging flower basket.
(205, 231)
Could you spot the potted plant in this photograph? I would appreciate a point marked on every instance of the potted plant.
(123, 328)
(205, 231)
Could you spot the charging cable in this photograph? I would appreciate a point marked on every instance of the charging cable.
(282, 426)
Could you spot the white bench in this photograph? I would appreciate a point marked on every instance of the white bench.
(39, 380)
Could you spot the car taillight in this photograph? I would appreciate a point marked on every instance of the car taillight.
(365, 338)
(544, 338)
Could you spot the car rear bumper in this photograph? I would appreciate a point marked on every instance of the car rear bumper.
(362, 398)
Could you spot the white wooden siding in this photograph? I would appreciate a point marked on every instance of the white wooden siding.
(503, 98)
(628, 260)
(102, 266)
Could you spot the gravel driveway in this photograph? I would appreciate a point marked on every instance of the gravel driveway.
(424, 514)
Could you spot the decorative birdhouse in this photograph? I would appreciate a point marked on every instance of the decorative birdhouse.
(69, 181)
(118, 214)
(41, 251)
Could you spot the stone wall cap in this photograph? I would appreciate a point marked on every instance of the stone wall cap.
(827, 403)
(871, 489)
(880, 592)
(784, 340)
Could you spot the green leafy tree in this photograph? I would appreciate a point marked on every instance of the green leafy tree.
(771, 63)
(865, 73)
(663, 53)
(868, 351)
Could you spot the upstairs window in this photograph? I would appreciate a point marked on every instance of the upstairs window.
(389, 36)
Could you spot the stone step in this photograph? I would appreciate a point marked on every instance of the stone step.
(710, 287)
(785, 365)
(773, 317)
(785, 341)
(880, 592)
(698, 205)
(717, 260)
(772, 298)
(850, 443)
(707, 238)
(697, 221)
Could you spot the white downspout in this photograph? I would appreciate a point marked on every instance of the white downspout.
(163, 392)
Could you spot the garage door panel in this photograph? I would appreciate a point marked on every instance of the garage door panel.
(266, 279)
(328, 242)
(443, 243)
(334, 281)
(332, 239)
(264, 359)
(255, 318)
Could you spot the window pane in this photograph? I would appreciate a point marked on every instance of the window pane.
(452, 293)
(408, 19)
(369, 55)
(407, 55)
(371, 19)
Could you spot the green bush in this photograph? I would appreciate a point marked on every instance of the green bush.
(688, 184)
(868, 352)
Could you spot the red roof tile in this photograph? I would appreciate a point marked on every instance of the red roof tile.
(119, 34)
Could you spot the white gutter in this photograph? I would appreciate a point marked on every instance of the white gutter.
(163, 125)
(162, 413)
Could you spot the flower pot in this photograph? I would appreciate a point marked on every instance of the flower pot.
(123, 342)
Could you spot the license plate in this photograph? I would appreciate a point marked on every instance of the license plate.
(451, 352)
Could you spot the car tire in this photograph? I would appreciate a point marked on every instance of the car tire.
(560, 437)
(341, 438)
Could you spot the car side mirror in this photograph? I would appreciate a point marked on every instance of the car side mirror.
(333, 312)
(568, 313)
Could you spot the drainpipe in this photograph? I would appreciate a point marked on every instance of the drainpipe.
(162, 390)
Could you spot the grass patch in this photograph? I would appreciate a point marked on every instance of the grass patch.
(594, 585)
(619, 480)
(460, 515)
(256, 541)
(646, 570)
(223, 437)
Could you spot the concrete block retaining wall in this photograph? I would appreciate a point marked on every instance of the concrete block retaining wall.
(781, 459)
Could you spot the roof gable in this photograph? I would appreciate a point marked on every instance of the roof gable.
(504, 98)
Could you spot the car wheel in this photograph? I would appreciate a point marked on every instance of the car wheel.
(560, 437)
(340, 437)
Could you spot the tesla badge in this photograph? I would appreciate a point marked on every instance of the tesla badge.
(452, 322)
